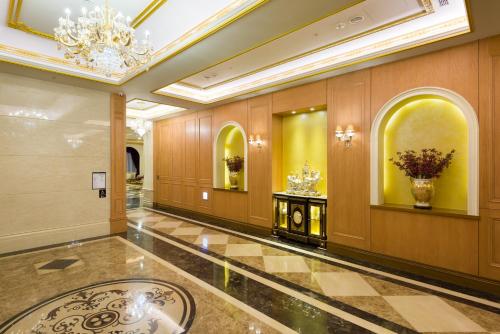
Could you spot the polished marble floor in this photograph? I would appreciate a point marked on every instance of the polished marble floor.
(173, 275)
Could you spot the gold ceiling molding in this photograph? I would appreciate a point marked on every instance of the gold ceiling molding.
(15, 7)
(201, 25)
(326, 46)
(51, 60)
(427, 9)
(330, 69)
(357, 2)
(147, 12)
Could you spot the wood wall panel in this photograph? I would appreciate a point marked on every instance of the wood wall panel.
(489, 155)
(231, 205)
(259, 178)
(445, 242)
(455, 69)
(190, 150)
(348, 168)
(118, 216)
(204, 162)
(310, 95)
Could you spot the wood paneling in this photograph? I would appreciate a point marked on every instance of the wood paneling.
(259, 159)
(190, 150)
(455, 69)
(489, 154)
(305, 96)
(445, 242)
(231, 205)
(118, 217)
(348, 167)
(205, 148)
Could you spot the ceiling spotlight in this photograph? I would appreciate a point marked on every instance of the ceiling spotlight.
(356, 19)
(340, 26)
(294, 112)
(311, 109)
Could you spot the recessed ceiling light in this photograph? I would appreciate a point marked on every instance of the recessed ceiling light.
(294, 112)
(340, 26)
(356, 19)
(312, 109)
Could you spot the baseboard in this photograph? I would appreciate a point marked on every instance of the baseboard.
(217, 221)
(16, 242)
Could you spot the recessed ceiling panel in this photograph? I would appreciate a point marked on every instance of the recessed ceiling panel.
(359, 33)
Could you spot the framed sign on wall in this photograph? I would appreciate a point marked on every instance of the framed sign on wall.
(98, 180)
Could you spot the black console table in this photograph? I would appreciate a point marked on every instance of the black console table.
(300, 218)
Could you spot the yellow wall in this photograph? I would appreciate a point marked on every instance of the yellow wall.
(234, 144)
(427, 122)
(304, 138)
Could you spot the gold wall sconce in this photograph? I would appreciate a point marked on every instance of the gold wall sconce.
(255, 141)
(345, 136)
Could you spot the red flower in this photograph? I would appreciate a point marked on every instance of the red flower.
(429, 164)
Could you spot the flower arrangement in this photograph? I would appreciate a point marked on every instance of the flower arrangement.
(427, 164)
(235, 163)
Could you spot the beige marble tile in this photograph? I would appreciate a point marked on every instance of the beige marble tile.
(43, 211)
(243, 250)
(344, 284)
(432, 314)
(487, 320)
(187, 231)
(211, 239)
(285, 264)
(167, 224)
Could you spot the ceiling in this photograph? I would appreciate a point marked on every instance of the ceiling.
(211, 52)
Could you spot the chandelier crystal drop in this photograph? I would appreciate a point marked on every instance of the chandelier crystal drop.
(140, 126)
(102, 39)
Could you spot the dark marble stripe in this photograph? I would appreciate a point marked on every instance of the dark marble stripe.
(289, 311)
(327, 300)
(422, 279)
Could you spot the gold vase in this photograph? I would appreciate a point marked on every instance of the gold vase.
(233, 179)
(423, 192)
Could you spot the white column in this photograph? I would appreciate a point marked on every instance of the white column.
(148, 161)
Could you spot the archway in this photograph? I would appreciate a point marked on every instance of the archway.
(133, 161)
(230, 140)
(383, 118)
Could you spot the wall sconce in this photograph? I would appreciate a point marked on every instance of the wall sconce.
(255, 141)
(345, 136)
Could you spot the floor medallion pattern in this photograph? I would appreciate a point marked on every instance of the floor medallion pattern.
(126, 306)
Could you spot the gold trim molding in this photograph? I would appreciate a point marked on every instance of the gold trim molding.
(15, 7)
(427, 9)
(14, 11)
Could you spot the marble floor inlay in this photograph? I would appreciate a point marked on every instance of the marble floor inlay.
(129, 305)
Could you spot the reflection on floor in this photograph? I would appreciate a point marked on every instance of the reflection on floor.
(168, 275)
(135, 196)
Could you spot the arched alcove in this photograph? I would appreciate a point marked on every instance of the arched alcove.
(423, 118)
(230, 140)
(133, 161)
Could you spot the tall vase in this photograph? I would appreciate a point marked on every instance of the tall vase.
(423, 192)
(233, 179)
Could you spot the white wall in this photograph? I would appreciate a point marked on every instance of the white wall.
(148, 161)
(45, 194)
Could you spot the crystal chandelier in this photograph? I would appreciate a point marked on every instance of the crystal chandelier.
(140, 126)
(103, 40)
